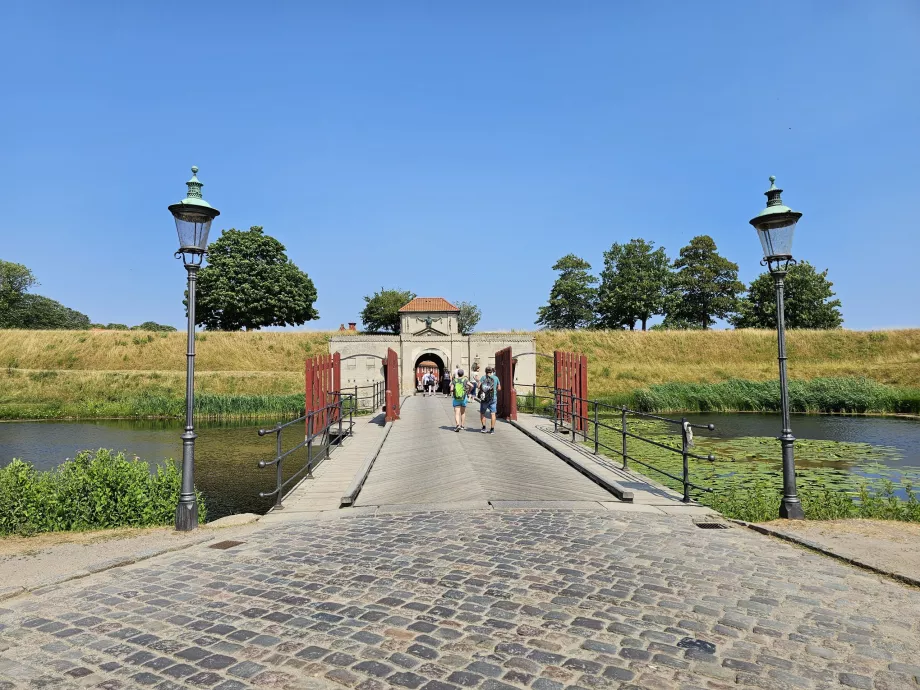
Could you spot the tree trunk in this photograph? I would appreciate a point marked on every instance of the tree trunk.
(632, 325)
(644, 319)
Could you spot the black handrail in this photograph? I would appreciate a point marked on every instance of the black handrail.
(565, 408)
(324, 433)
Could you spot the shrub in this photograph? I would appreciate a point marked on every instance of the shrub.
(97, 489)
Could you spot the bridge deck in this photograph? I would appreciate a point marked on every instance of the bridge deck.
(425, 461)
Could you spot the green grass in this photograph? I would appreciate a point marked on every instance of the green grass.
(817, 395)
(97, 489)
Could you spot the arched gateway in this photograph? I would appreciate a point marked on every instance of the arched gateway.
(429, 332)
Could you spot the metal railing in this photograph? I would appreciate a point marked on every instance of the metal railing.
(375, 397)
(565, 406)
(318, 442)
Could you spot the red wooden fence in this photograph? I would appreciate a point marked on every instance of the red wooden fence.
(507, 397)
(570, 372)
(323, 382)
(391, 385)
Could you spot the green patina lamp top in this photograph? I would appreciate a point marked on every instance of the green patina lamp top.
(193, 197)
(775, 210)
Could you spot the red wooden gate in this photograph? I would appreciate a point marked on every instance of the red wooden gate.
(391, 385)
(570, 378)
(323, 383)
(507, 397)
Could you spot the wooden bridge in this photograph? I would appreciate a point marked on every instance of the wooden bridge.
(420, 463)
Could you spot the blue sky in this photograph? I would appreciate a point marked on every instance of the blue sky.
(425, 145)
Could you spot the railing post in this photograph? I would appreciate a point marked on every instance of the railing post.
(572, 417)
(351, 417)
(309, 445)
(623, 431)
(683, 452)
(341, 414)
(596, 437)
(534, 398)
(278, 431)
(557, 397)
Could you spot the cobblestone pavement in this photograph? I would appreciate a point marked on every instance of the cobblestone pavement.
(488, 600)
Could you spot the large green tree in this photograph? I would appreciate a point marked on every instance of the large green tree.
(250, 282)
(381, 310)
(808, 301)
(468, 317)
(572, 297)
(634, 284)
(41, 313)
(15, 280)
(704, 286)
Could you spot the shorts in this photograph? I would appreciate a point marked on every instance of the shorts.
(489, 407)
(460, 403)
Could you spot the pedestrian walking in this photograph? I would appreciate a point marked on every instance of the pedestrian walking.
(489, 385)
(474, 381)
(459, 388)
(445, 383)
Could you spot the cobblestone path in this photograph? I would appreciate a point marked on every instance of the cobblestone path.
(488, 600)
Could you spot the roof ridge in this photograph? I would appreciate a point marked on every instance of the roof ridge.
(428, 304)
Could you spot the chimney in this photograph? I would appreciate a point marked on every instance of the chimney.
(352, 325)
(341, 326)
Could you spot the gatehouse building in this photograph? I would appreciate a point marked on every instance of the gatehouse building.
(429, 338)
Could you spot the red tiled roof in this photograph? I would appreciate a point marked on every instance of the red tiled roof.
(428, 304)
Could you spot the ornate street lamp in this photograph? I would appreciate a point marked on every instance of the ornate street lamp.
(193, 222)
(775, 226)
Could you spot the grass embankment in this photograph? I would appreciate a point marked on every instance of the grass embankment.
(57, 374)
(690, 371)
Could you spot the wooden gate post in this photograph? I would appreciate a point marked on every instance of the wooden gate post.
(391, 385)
(507, 396)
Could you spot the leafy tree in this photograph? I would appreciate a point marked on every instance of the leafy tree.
(468, 318)
(152, 326)
(117, 327)
(572, 297)
(704, 287)
(633, 284)
(381, 310)
(250, 282)
(41, 313)
(15, 280)
(807, 301)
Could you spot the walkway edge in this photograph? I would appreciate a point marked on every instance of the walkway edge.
(623, 494)
(355, 488)
(814, 546)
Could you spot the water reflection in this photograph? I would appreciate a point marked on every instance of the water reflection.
(226, 453)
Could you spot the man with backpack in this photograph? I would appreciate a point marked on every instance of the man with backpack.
(488, 398)
(459, 386)
(445, 382)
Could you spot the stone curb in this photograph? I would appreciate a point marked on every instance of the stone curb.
(611, 486)
(50, 584)
(814, 546)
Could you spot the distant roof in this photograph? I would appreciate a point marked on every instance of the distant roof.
(429, 304)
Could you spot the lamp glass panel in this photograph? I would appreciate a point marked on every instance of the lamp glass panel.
(193, 228)
(776, 237)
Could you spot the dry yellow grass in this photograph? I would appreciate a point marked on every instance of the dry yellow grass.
(621, 361)
(54, 366)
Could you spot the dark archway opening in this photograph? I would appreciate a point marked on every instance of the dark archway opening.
(429, 363)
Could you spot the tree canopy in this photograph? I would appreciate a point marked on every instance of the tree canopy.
(20, 309)
(250, 283)
(468, 318)
(572, 297)
(381, 310)
(704, 286)
(633, 284)
(807, 301)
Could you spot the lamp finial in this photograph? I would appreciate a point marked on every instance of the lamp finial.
(194, 185)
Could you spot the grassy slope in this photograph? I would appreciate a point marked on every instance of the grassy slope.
(53, 373)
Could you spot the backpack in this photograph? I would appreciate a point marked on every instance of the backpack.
(487, 388)
(459, 389)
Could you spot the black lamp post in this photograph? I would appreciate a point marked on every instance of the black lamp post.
(775, 226)
(193, 222)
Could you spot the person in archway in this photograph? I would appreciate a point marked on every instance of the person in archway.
(489, 385)
(429, 384)
(459, 387)
(445, 382)
(474, 380)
